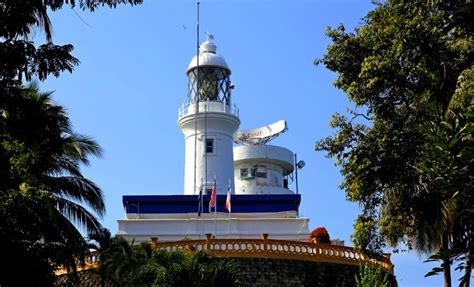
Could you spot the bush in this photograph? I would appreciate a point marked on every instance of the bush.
(320, 235)
(370, 276)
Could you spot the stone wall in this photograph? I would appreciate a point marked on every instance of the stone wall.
(279, 272)
(268, 272)
(86, 278)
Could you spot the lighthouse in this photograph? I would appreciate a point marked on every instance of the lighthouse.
(218, 153)
(208, 121)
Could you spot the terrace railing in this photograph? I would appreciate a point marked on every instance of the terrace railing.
(259, 248)
(276, 249)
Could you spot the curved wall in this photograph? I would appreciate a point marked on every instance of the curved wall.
(260, 272)
(261, 169)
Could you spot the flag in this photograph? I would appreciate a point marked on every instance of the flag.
(227, 201)
(200, 200)
(212, 201)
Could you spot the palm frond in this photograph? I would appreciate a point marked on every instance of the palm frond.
(80, 147)
(64, 165)
(77, 188)
(77, 214)
(102, 237)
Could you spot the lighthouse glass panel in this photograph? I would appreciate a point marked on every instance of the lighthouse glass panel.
(213, 85)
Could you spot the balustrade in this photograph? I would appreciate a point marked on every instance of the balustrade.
(260, 248)
(277, 249)
(90, 261)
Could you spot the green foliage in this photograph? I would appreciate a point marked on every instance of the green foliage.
(20, 58)
(43, 195)
(366, 237)
(25, 247)
(407, 158)
(439, 256)
(42, 191)
(369, 276)
(140, 265)
(448, 165)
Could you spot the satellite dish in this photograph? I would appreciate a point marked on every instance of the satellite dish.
(261, 135)
(301, 164)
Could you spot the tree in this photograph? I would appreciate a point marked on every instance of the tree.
(370, 276)
(448, 163)
(126, 264)
(100, 239)
(406, 69)
(20, 58)
(43, 191)
(41, 186)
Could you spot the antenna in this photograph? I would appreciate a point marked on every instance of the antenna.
(298, 165)
(261, 135)
(196, 100)
(197, 41)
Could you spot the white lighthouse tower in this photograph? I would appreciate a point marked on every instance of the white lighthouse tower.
(208, 121)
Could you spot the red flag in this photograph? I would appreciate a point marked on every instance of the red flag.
(227, 201)
(212, 201)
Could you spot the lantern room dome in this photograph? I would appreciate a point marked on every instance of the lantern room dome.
(208, 57)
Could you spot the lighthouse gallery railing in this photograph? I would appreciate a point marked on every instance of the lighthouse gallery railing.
(208, 106)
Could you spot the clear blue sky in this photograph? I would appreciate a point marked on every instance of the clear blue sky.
(131, 82)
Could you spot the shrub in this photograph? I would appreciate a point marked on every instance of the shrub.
(320, 235)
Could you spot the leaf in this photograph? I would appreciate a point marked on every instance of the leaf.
(434, 271)
(4, 113)
(452, 142)
(446, 125)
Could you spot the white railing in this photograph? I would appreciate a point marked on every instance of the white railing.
(208, 106)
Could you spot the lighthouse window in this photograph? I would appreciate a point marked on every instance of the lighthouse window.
(261, 172)
(209, 145)
(244, 172)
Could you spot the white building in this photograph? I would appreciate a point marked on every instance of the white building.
(256, 174)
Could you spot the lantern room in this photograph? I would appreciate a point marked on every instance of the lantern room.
(209, 75)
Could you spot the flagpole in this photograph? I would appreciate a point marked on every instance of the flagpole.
(229, 190)
(215, 210)
(215, 219)
(202, 222)
(201, 208)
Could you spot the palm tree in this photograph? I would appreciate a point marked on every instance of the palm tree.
(141, 265)
(57, 153)
(41, 157)
(100, 239)
(439, 217)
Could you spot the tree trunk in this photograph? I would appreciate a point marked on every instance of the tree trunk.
(446, 262)
(467, 272)
(447, 272)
